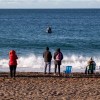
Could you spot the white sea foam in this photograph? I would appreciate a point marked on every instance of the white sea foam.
(36, 63)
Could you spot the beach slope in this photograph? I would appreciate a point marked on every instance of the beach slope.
(37, 86)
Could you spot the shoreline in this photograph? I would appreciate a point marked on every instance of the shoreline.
(41, 74)
(37, 86)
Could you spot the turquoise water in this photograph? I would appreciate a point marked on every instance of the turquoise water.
(75, 31)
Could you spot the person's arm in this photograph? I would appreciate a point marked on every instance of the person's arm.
(62, 56)
(54, 56)
(94, 63)
(50, 55)
(43, 55)
(16, 57)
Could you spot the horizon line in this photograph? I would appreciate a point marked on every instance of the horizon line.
(49, 8)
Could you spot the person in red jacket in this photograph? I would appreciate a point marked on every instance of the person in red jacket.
(12, 63)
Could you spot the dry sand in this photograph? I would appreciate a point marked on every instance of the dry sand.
(37, 86)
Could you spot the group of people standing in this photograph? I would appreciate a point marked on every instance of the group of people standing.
(58, 56)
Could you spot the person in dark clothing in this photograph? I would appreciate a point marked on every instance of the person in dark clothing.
(49, 30)
(58, 56)
(90, 68)
(47, 59)
(91, 65)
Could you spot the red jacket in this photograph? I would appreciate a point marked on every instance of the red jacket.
(12, 58)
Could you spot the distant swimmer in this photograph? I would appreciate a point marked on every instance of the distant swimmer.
(49, 30)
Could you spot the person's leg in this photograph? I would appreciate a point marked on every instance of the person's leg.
(45, 67)
(11, 71)
(55, 68)
(14, 69)
(89, 71)
(86, 70)
(59, 69)
(49, 64)
(92, 71)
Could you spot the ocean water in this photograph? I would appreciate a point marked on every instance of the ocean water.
(75, 31)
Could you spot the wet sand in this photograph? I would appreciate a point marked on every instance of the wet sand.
(37, 86)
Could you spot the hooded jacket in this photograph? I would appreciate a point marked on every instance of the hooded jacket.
(12, 58)
(55, 54)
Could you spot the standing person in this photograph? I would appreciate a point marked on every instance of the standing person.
(47, 59)
(91, 64)
(58, 56)
(12, 63)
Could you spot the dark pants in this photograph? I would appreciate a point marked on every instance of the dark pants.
(57, 65)
(90, 71)
(12, 70)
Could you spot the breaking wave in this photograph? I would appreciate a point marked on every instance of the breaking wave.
(33, 63)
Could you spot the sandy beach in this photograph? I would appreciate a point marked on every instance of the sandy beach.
(37, 86)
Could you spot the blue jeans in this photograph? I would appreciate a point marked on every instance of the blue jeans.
(49, 65)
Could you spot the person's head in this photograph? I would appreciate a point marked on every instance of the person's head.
(91, 59)
(12, 52)
(58, 50)
(47, 48)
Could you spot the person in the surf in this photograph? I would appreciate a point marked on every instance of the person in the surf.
(49, 30)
